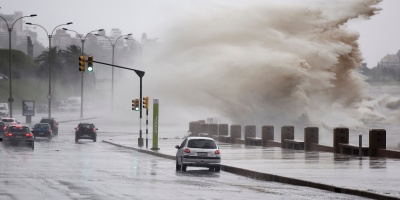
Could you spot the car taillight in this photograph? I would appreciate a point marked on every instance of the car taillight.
(5, 128)
(28, 134)
(187, 150)
(217, 151)
(94, 129)
(77, 129)
(8, 134)
(49, 131)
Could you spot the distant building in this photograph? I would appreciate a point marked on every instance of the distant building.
(61, 39)
(390, 61)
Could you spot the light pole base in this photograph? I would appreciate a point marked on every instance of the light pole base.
(155, 149)
(140, 142)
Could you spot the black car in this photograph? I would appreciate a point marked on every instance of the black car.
(3, 127)
(53, 124)
(86, 131)
(19, 134)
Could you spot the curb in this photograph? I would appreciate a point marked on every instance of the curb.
(274, 178)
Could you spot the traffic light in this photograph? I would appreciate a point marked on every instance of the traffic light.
(81, 63)
(135, 104)
(146, 102)
(90, 64)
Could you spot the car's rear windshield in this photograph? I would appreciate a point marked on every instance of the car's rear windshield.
(202, 143)
(46, 121)
(2, 108)
(18, 129)
(86, 126)
(42, 126)
(7, 120)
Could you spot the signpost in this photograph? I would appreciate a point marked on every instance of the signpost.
(28, 110)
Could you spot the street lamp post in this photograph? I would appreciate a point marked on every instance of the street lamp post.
(49, 36)
(83, 53)
(10, 29)
(112, 69)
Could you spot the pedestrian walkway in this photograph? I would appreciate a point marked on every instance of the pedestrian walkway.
(377, 178)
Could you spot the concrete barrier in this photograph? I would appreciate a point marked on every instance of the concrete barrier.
(236, 132)
(310, 137)
(340, 135)
(377, 140)
(287, 132)
(267, 134)
(213, 130)
(249, 132)
(203, 128)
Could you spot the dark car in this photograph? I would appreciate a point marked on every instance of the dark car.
(3, 127)
(19, 134)
(86, 131)
(42, 130)
(53, 124)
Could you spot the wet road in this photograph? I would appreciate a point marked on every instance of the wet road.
(63, 169)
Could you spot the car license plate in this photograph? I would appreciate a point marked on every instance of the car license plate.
(202, 154)
(18, 136)
(41, 133)
(85, 135)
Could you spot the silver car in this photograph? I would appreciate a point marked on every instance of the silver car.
(198, 152)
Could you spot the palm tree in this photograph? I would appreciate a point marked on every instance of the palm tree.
(43, 64)
(70, 64)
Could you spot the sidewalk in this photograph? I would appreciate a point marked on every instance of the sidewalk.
(377, 178)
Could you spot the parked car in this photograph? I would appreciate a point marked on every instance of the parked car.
(10, 121)
(198, 152)
(42, 108)
(4, 111)
(19, 134)
(42, 130)
(53, 124)
(86, 131)
(2, 129)
(63, 107)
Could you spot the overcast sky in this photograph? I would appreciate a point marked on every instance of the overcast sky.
(378, 36)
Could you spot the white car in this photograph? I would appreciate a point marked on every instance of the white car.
(198, 152)
(63, 107)
(10, 121)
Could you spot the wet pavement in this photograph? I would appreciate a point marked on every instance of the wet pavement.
(369, 175)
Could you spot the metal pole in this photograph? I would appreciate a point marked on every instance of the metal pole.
(147, 125)
(10, 99)
(49, 96)
(112, 79)
(83, 48)
(140, 139)
(360, 153)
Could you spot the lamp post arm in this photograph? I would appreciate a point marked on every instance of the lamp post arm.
(5, 22)
(41, 27)
(59, 26)
(107, 39)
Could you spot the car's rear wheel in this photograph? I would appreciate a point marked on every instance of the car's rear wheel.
(210, 168)
(178, 167)
(183, 166)
(217, 168)
(50, 137)
(33, 145)
(94, 139)
(76, 138)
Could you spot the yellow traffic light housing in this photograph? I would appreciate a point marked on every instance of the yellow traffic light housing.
(82, 63)
(90, 64)
(135, 104)
(146, 102)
